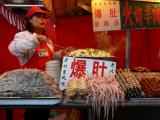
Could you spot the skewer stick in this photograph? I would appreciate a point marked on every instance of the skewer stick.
(55, 44)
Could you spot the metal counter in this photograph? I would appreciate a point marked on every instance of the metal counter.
(50, 102)
(36, 103)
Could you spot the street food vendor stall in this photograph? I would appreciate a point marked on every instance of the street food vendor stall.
(94, 75)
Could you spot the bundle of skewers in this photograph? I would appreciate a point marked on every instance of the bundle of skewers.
(105, 92)
(129, 83)
(101, 92)
(150, 83)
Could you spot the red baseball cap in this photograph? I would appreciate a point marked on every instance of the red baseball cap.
(35, 9)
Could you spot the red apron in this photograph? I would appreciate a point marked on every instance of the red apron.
(41, 55)
(37, 61)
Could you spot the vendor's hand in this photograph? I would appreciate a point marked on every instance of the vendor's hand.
(67, 50)
(42, 38)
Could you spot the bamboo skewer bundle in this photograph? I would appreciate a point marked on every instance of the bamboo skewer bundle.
(129, 83)
(150, 83)
(76, 88)
(102, 92)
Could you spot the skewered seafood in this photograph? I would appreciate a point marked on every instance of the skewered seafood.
(105, 92)
(102, 92)
(28, 83)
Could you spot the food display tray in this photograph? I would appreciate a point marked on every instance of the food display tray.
(45, 102)
(49, 102)
(18, 102)
(137, 102)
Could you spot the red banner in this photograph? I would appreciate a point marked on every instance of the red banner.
(11, 17)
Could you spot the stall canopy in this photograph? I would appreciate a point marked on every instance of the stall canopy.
(7, 31)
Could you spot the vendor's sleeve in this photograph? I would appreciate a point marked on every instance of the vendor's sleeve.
(22, 43)
(57, 55)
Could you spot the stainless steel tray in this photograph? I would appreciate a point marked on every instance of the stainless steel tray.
(39, 102)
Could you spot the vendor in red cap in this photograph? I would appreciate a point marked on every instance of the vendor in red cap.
(33, 49)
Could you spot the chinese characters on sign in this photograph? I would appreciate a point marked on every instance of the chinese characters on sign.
(146, 0)
(139, 15)
(106, 15)
(64, 72)
(80, 67)
(115, 15)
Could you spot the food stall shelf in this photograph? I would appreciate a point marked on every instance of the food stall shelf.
(50, 102)
(22, 5)
(35, 103)
(28, 102)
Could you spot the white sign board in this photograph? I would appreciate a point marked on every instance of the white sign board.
(106, 15)
(81, 67)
